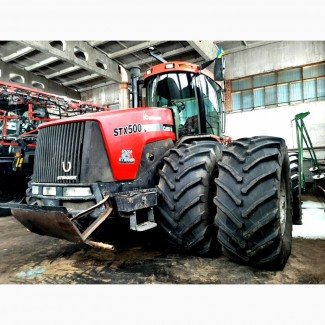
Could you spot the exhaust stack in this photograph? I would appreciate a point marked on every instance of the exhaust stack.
(135, 76)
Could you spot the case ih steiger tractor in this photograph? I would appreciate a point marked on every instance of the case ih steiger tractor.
(22, 110)
(165, 164)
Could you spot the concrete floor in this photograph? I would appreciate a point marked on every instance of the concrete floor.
(313, 219)
(66, 265)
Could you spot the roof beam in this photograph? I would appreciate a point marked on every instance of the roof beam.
(165, 55)
(103, 84)
(41, 63)
(207, 49)
(61, 72)
(248, 46)
(82, 79)
(134, 48)
(17, 54)
(92, 57)
(97, 43)
(49, 86)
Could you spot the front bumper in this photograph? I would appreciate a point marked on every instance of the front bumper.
(126, 201)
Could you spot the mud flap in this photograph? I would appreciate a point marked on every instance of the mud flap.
(55, 221)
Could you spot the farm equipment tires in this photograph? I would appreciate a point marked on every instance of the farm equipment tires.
(185, 198)
(254, 205)
(295, 188)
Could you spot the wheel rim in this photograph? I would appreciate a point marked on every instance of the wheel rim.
(283, 206)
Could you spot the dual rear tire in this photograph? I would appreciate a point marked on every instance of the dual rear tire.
(238, 202)
(254, 203)
(186, 190)
(295, 188)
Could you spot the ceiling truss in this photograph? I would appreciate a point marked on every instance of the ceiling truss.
(82, 65)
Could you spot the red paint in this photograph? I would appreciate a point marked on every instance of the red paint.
(115, 129)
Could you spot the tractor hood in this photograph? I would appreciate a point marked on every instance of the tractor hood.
(124, 133)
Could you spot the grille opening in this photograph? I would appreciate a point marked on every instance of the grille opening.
(58, 153)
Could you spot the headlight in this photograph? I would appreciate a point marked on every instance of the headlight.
(49, 190)
(76, 191)
(35, 190)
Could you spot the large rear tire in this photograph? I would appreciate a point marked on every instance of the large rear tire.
(254, 205)
(185, 203)
(295, 188)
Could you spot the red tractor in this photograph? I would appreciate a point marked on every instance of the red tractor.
(165, 164)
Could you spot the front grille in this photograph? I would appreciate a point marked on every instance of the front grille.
(59, 147)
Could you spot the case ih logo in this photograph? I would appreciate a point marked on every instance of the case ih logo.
(146, 117)
(126, 157)
(68, 168)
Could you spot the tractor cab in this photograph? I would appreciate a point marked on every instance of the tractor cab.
(195, 99)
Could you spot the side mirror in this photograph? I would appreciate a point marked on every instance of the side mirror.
(219, 68)
(219, 65)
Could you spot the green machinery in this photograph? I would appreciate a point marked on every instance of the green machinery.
(303, 137)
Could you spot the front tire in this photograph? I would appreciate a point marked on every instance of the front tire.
(254, 205)
(185, 203)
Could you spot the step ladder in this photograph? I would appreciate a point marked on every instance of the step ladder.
(144, 225)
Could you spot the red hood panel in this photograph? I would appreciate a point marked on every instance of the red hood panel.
(125, 134)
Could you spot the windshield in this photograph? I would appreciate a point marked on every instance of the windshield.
(165, 88)
(192, 98)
